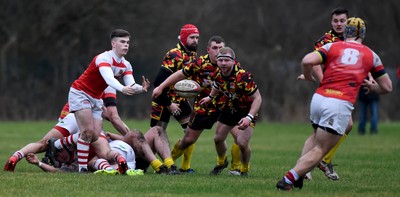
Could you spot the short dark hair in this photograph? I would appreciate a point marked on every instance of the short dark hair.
(119, 33)
(340, 10)
(216, 39)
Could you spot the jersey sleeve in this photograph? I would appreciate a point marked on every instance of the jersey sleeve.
(110, 97)
(377, 70)
(103, 60)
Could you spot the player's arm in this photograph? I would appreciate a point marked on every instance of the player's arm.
(171, 80)
(162, 75)
(381, 85)
(214, 92)
(112, 115)
(309, 61)
(108, 76)
(32, 159)
(116, 120)
(317, 71)
(256, 104)
(115, 136)
(129, 80)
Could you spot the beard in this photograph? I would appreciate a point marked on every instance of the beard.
(192, 47)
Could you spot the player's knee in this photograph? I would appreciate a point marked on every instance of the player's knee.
(242, 143)
(218, 139)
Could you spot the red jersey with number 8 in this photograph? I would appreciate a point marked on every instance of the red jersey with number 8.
(346, 66)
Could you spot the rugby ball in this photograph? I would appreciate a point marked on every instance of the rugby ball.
(187, 88)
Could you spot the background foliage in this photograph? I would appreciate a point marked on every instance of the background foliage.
(45, 45)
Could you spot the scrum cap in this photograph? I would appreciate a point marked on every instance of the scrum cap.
(355, 28)
(186, 30)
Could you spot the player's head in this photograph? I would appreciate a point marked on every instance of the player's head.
(118, 33)
(63, 156)
(215, 43)
(339, 11)
(355, 28)
(226, 52)
(189, 36)
(120, 41)
(339, 18)
(226, 60)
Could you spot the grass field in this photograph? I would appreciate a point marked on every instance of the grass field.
(367, 165)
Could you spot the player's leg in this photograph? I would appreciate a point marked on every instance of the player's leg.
(326, 164)
(85, 121)
(36, 147)
(161, 147)
(243, 140)
(183, 119)
(186, 142)
(331, 125)
(324, 141)
(235, 154)
(145, 149)
(103, 150)
(221, 132)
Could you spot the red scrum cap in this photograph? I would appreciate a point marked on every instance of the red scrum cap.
(186, 31)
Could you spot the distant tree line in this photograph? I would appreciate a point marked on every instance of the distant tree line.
(46, 45)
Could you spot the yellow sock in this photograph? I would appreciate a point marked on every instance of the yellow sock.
(176, 151)
(168, 162)
(328, 157)
(187, 156)
(221, 160)
(245, 167)
(155, 164)
(235, 152)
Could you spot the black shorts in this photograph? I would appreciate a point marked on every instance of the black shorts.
(202, 121)
(232, 117)
(161, 112)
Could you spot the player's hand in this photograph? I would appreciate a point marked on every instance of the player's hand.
(174, 109)
(145, 84)
(156, 92)
(301, 77)
(369, 83)
(204, 100)
(244, 123)
(128, 90)
(32, 158)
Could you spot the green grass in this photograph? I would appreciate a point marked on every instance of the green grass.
(367, 165)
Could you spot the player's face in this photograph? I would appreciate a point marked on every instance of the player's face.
(225, 64)
(339, 22)
(192, 41)
(120, 46)
(213, 49)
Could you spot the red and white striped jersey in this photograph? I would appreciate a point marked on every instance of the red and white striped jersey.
(91, 80)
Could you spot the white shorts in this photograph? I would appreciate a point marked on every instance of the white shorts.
(330, 113)
(126, 151)
(78, 100)
(69, 123)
